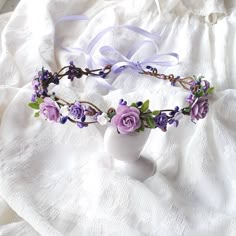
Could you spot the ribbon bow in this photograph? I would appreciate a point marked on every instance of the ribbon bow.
(123, 62)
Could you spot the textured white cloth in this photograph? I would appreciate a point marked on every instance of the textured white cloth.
(56, 180)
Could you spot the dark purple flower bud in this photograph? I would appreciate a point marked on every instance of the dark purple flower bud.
(45, 92)
(173, 82)
(122, 102)
(71, 71)
(83, 118)
(63, 119)
(149, 67)
(176, 109)
(81, 124)
(55, 79)
(161, 121)
(139, 103)
(77, 110)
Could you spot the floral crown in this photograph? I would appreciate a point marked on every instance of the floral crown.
(126, 118)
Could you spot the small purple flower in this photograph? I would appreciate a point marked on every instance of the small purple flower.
(35, 84)
(127, 119)
(43, 74)
(206, 85)
(77, 110)
(190, 99)
(161, 121)
(199, 108)
(102, 74)
(49, 110)
(55, 79)
(33, 98)
(172, 113)
(71, 71)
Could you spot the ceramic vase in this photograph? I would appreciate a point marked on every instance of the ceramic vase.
(125, 150)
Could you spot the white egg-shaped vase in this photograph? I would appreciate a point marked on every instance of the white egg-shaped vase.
(125, 150)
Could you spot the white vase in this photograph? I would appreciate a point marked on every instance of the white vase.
(125, 150)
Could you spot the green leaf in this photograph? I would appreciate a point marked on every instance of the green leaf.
(133, 104)
(141, 127)
(200, 94)
(36, 114)
(110, 115)
(210, 90)
(145, 106)
(34, 105)
(186, 110)
(39, 100)
(201, 77)
(150, 122)
(156, 112)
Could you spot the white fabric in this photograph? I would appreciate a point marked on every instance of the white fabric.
(56, 180)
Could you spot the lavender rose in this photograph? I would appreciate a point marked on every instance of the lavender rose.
(126, 119)
(199, 108)
(49, 110)
(77, 110)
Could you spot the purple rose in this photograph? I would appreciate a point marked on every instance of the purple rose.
(161, 121)
(126, 119)
(77, 110)
(199, 108)
(49, 110)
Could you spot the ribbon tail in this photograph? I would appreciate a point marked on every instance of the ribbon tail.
(71, 18)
